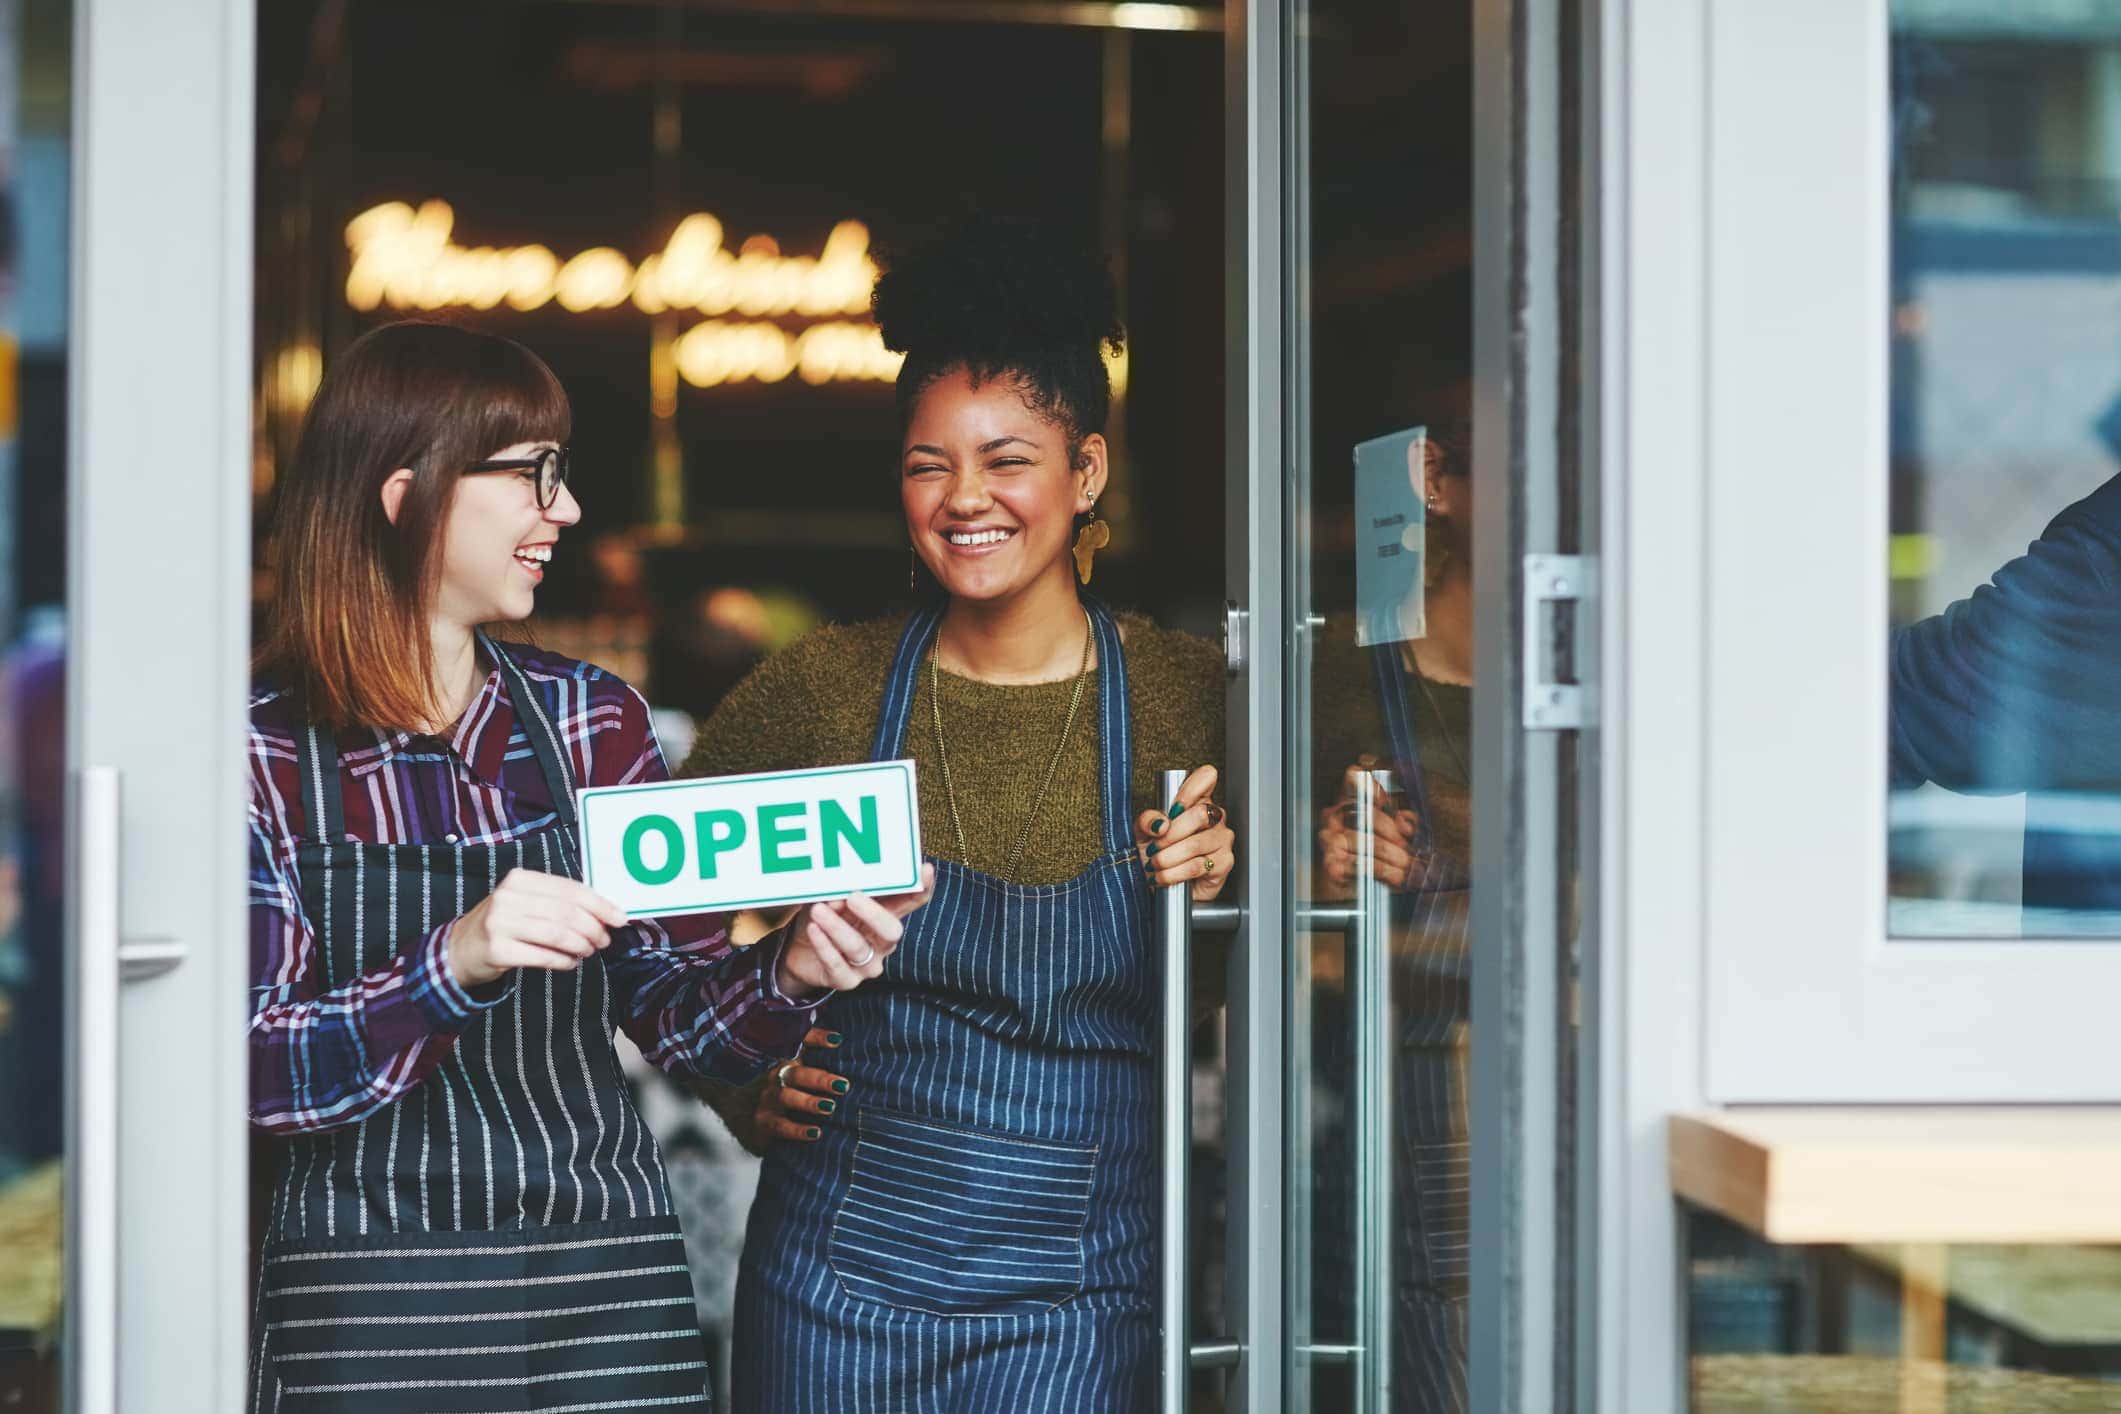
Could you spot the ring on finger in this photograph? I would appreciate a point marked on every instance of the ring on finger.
(780, 1073)
(868, 956)
(1207, 865)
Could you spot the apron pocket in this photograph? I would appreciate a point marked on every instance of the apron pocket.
(960, 1222)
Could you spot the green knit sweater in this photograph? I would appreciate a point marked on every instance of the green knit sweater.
(816, 704)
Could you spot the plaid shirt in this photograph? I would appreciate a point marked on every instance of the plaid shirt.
(695, 1005)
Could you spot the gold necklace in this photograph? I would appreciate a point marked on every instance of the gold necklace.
(942, 756)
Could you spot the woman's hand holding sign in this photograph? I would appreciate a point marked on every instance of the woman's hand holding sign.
(530, 920)
(547, 921)
(840, 944)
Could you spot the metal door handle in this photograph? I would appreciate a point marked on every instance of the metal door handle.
(92, 1107)
(1366, 924)
(1177, 916)
(1370, 970)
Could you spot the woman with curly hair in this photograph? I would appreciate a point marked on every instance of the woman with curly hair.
(968, 1217)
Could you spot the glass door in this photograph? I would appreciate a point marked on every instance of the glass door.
(36, 166)
(1435, 524)
(1382, 706)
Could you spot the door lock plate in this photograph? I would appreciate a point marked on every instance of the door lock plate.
(1555, 586)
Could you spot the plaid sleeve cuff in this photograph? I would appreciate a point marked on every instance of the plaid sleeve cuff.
(447, 1003)
(770, 949)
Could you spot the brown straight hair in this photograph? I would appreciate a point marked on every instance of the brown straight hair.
(347, 630)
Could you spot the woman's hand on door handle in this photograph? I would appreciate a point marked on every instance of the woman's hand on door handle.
(1398, 827)
(1192, 842)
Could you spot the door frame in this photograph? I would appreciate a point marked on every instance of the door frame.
(1540, 412)
(158, 646)
(1255, 518)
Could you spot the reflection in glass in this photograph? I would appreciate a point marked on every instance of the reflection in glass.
(1381, 711)
(2007, 1329)
(1392, 718)
(2005, 811)
(34, 169)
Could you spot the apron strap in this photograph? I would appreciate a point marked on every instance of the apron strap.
(1115, 729)
(1391, 675)
(1114, 722)
(537, 727)
(320, 784)
(889, 743)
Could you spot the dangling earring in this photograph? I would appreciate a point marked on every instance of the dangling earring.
(1093, 537)
(1435, 546)
(913, 564)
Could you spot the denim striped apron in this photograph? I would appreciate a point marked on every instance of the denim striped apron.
(501, 1237)
(1431, 1177)
(976, 1231)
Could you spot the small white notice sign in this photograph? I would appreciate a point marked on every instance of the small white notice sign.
(721, 843)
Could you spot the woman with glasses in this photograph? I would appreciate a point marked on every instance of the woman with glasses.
(967, 1219)
(466, 1213)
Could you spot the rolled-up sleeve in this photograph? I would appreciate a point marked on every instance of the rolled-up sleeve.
(323, 1059)
(2018, 686)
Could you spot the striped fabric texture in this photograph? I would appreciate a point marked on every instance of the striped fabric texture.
(1431, 1260)
(958, 1222)
(498, 1235)
(337, 1038)
(578, 1317)
(977, 1229)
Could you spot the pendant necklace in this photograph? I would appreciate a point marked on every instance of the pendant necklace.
(942, 756)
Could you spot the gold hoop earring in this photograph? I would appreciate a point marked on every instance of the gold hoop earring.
(1092, 538)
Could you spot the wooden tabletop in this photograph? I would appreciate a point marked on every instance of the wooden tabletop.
(1859, 1384)
(1916, 1173)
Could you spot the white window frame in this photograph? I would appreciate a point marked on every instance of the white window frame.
(1806, 998)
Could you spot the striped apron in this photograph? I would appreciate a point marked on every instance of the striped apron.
(977, 1229)
(1431, 1178)
(500, 1238)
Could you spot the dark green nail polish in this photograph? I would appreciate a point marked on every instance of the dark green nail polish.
(1152, 851)
(839, 1087)
(833, 1038)
(1178, 808)
(1156, 827)
(813, 1132)
(826, 1107)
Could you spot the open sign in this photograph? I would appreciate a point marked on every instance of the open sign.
(728, 842)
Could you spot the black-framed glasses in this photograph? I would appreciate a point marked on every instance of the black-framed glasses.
(548, 469)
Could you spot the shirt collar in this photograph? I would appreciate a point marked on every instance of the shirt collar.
(479, 739)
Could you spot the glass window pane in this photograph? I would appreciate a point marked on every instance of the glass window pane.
(2005, 807)
(35, 163)
(1383, 707)
(1898, 1326)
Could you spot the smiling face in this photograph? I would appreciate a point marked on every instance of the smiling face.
(497, 541)
(989, 490)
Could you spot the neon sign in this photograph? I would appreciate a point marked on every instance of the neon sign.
(406, 258)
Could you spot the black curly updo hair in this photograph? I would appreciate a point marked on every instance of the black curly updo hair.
(1011, 300)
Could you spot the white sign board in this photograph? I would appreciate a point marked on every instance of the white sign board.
(722, 843)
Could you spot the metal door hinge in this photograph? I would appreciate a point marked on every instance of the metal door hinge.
(1555, 586)
(1235, 622)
